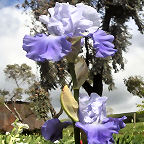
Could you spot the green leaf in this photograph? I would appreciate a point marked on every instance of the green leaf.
(81, 71)
(76, 46)
(69, 104)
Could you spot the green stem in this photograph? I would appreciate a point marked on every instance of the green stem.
(76, 96)
(72, 73)
(76, 129)
(76, 134)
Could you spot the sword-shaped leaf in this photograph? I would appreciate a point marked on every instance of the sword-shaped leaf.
(81, 71)
(69, 103)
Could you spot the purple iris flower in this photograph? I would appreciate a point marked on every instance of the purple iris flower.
(102, 43)
(42, 47)
(65, 18)
(93, 121)
(64, 21)
(52, 129)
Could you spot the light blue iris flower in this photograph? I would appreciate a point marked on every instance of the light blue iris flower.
(65, 21)
(92, 120)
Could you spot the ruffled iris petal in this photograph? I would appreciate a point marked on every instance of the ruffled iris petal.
(118, 122)
(93, 120)
(101, 133)
(98, 133)
(92, 108)
(102, 44)
(43, 47)
(65, 18)
(52, 129)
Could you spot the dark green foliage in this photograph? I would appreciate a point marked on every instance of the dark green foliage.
(130, 134)
(53, 74)
(19, 73)
(39, 101)
(130, 116)
(135, 85)
(115, 14)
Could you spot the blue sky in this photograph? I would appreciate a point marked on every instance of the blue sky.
(12, 31)
(6, 3)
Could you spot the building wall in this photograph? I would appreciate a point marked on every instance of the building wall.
(6, 117)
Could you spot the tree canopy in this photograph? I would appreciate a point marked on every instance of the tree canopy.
(26, 83)
(135, 85)
(115, 15)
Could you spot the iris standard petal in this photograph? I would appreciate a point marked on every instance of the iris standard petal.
(43, 47)
(90, 14)
(92, 109)
(52, 129)
(98, 133)
(102, 44)
(65, 18)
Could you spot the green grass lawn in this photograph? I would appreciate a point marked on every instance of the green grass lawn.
(130, 127)
(129, 135)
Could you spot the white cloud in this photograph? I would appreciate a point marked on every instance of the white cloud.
(9, 21)
(120, 99)
(12, 31)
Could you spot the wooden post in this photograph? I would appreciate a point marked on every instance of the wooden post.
(134, 119)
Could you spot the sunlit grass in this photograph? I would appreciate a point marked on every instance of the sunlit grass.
(131, 134)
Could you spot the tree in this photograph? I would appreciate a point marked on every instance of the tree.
(21, 75)
(141, 106)
(115, 14)
(26, 83)
(40, 102)
(135, 85)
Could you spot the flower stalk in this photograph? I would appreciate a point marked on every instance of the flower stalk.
(68, 25)
(76, 96)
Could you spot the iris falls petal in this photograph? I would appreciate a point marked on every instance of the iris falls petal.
(42, 47)
(52, 129)
(98, 133)
(93, 121)
(102, 44)
(118, 122)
